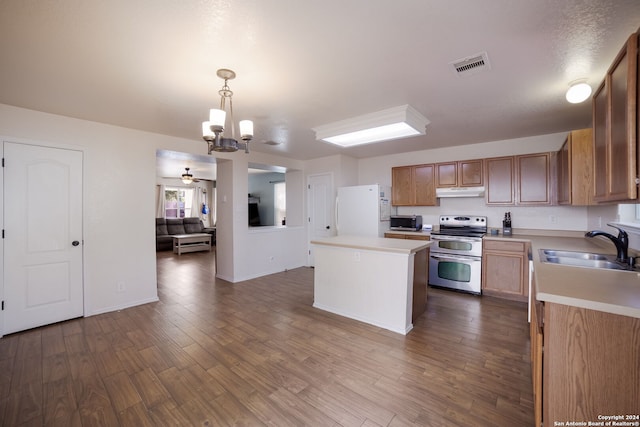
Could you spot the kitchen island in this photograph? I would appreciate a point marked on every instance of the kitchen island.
(375, 280)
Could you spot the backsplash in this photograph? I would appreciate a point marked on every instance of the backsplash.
(530, 217)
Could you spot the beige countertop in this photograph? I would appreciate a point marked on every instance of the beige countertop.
(610, 291)
(404, 246)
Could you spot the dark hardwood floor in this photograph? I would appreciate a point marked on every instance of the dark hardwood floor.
(256, 353)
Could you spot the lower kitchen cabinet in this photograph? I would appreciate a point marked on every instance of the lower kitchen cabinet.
(536, 314)
(419, 289)
(392, 235)
(585, 364)
(505, 269)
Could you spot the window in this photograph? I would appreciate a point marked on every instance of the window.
(177, 202)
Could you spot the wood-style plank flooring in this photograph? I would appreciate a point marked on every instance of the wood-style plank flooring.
(257, 353)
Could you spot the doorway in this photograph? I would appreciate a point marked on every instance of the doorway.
(43, 236)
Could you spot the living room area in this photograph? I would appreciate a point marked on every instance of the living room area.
(186, 200)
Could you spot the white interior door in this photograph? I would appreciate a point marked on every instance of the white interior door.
(42, 236)
(320, 201)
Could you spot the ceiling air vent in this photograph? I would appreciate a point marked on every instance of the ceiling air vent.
(471, 65)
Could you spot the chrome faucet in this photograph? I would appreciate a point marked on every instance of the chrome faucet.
(621, 242)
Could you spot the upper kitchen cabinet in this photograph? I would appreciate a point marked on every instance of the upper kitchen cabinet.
(575, 169)
(533, 174)
(413, 185)
(615, 116)
(499, 187)
(466, 173)
(519, 180)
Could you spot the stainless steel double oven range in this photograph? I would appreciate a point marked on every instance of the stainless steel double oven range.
(456, 256)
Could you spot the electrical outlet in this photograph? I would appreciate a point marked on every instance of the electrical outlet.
(271, 258)
(356, 256)
(553, 219)
(121, 287)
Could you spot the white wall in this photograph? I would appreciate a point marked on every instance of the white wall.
(266, 250)
(343, 168)
(119, 205)
(119, 199)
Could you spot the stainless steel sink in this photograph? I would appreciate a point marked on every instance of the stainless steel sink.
(583, 259)
(574, 254)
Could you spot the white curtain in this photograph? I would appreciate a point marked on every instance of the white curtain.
(160, 212)
(196, 202)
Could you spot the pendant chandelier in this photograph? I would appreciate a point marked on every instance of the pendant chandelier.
(213, 130)
(187, 178)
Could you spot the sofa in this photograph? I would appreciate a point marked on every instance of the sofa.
(166, 228)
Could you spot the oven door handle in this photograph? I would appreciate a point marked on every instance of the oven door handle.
(456, 239)
(455, 258)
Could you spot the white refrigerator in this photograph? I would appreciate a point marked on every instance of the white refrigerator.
(363, 210)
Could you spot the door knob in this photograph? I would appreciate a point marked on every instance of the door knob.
(75, 243)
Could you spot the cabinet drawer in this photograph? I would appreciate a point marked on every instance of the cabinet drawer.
(394, 236)
(499, 245)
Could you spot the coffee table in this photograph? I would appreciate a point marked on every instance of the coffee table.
(195, 242)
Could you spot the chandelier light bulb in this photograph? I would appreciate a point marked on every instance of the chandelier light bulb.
(217, 117)
(246, 129)
(206, 130)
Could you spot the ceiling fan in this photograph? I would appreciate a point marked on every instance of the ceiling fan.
(188, 178)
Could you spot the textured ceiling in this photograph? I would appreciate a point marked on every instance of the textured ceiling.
(151, 64)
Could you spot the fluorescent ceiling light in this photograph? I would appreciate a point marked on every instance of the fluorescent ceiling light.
(385, 125)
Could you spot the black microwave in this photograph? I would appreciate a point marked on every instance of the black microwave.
(406, 222)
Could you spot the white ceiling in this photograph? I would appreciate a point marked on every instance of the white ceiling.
(151, 64)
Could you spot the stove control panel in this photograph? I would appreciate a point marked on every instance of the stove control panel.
(463, 221)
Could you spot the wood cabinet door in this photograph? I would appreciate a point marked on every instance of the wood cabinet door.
(499, 187)
(447, 174)
(600, 168)
(533, 172)
(505, 269)
(394, 236)
(622, 124)
(615, 117)
(503, 272)
(470, 173)
(465, 173)
(580, 167)
(537, 338)
(417, 237)
(402, 189)
(425, 185)
(564, 173)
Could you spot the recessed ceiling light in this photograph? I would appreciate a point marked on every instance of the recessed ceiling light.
(385, 125)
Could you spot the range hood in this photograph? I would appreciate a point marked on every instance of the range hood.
(460, 192)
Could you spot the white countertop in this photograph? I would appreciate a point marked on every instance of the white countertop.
(404, 246)
(611, 291)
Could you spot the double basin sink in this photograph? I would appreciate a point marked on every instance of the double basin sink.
(584, 259)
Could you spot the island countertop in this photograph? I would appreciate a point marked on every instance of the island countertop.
(374, 243)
